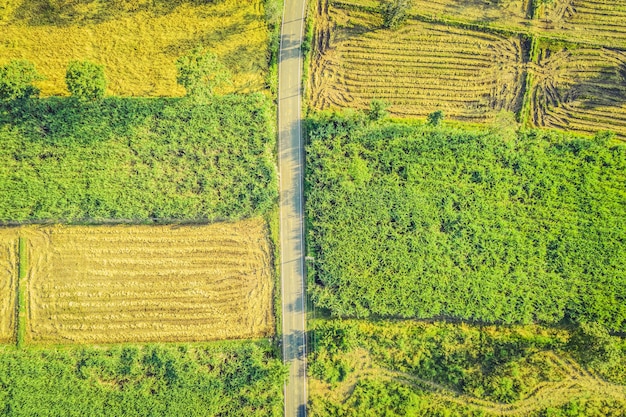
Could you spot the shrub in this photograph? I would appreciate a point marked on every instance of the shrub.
(394, 12)
(85, 80)
(200, 73)
(16, 80)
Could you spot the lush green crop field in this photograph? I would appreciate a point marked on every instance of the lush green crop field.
(444, 369)
(494, 226)
(138, 41)
(223, 379)
(138, 159)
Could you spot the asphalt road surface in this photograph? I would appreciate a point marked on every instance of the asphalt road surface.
(291, 165)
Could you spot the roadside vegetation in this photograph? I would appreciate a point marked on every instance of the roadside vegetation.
(488, 225)
(219, 379)
(447, 369)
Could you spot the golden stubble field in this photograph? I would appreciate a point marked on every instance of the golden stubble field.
(138, 41)
(108, 284)
(560, 65)
(420, 68)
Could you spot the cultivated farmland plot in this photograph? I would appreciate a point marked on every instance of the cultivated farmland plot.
(473, 59)
(418, 69)
(109, 284)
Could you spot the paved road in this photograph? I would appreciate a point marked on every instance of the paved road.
(291, 158)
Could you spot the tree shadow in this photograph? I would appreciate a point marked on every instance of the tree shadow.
(62, 120)
(84, 12)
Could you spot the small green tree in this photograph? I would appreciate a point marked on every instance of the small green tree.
(435, 118)
(85, 80)
(16, 80)
(200, 72)
(395, 12)
(378, 110)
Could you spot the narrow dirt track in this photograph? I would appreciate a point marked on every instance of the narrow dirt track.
(291, 164)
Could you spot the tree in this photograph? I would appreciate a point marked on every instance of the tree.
(378, 110)
(200, 73)
(16, 80)
(394, 12)
(435, 118)
(85, 80)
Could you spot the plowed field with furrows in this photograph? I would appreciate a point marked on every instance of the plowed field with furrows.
(420, 68)
(149, 283)
(580, 90)
(8, 278)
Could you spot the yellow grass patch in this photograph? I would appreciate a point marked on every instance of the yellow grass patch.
(105, 284)
(138, 41)
(420, 68)
(8, 281)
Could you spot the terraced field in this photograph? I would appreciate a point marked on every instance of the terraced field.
(8, 277)
(148, 283)
(137, 41)
(580, 89)
(420, 68)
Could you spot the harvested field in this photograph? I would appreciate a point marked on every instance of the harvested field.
(500, 13)
(138, 41)
(104, 284)
(596, 21)
(8, 281)
(580, 90)
(418, 69)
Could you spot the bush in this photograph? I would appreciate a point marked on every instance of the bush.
(85, 80)
(395, 12)
(200, 73)
(378, 110)
(435, 118)
(16, 80)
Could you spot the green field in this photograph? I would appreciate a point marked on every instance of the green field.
(219, 379)
(444, 369)
(134, 159)
(487, 225)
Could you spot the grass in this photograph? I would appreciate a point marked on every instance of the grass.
(112, 284)
(419, 368)
(420, 222)
(138, 41)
